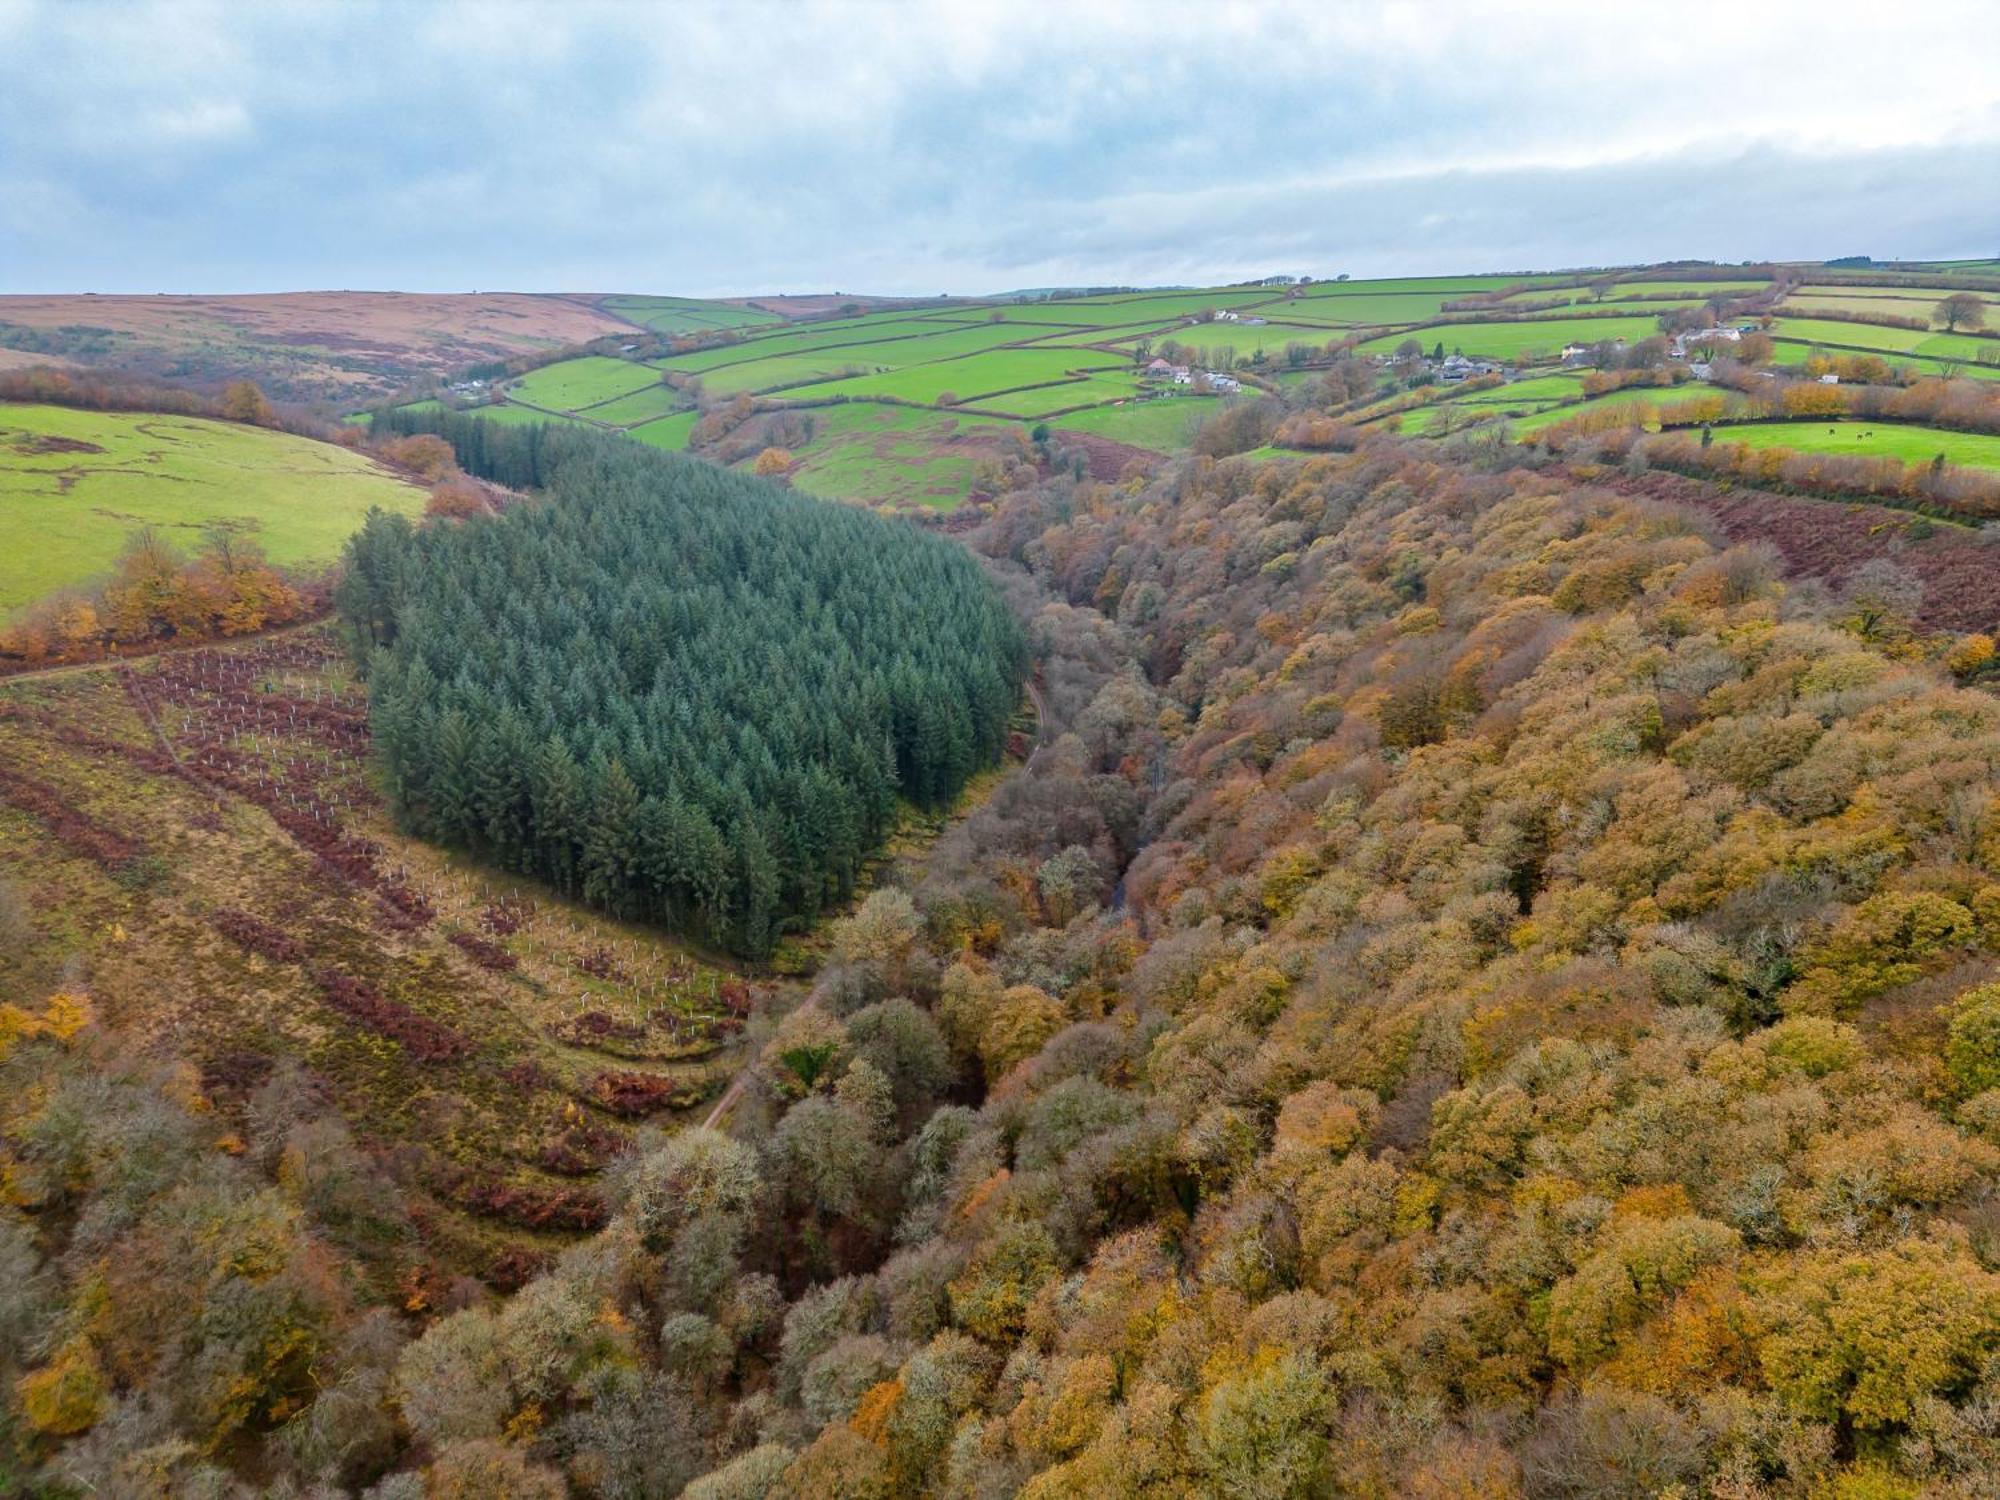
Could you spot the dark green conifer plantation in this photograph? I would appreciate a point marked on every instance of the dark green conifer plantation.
(675, 692)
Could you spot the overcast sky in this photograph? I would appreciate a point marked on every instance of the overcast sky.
(258, 145)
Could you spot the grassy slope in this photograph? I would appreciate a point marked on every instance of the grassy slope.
(893, 455)
(1528, 335)
(581, 382)
(64, 516)
(1162, 425)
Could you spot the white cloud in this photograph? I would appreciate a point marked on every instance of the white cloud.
(728, 146)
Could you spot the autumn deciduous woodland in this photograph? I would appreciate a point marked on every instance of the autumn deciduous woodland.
(1488, 988)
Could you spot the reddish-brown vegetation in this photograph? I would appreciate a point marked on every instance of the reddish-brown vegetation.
(484, 952)
(425, 1040)
(633, 1096)
(57, 811)
(258, 936)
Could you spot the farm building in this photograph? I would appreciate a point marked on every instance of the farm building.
(1456, 367)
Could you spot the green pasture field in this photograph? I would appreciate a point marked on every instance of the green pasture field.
(1537, 390)
(894, 455)
(876, 345)
(1911, 444)
(1903, 300)
(1138, 309)
(1042, 401)
(671, 433)
(1511, 339)
(780, 371)
(1694, 291)
(577, 383)
(1849, 335)
(642, 405)
(1362, 309)
(1411, 421)
(1631, 309)
(1247, 338)
(969, 377)
(869, 329)
(701, 361)
(1833, 332)
(1442, 287)
(1807, 304)
(926, 344)
(1036, 317)
(74, 485)
(1164, 424)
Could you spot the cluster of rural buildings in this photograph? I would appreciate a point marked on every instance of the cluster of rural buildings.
(1174, 374)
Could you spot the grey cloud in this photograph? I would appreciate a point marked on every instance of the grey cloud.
(710, 148)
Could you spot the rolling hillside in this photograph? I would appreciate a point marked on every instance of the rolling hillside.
(75, 485)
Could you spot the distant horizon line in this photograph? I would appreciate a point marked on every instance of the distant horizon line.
(1051, 290)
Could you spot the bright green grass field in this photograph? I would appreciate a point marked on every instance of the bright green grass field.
(1528, 336)
(1903, 302)
(1536, 391)
(671, 433)
(1833, 332)
(970, 377)
(1163, 424)
(1363, 309)
(1913, 445)
(884, 347)
(1247, 338)
(576, 383)
(1438, 286)
(65, 516)
(842, 340)
(783, 371)
(1044, 401)
(642, 405)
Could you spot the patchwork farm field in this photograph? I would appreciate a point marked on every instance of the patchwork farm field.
(577, 383)
(905, 404)
(1911, 444)
(74, 485)
(1247, 339)
(971, 377)
(1165, 424)
(667, 432)
(1545, 336)
(208, 818)
(1047, 400)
